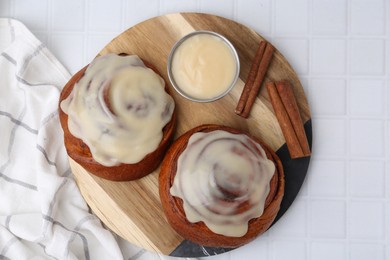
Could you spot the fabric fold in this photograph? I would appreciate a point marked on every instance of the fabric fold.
(42, 213)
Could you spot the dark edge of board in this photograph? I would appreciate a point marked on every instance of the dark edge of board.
(295, 172)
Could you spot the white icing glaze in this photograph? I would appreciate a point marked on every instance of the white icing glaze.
(140, 105)
(204, 66)
(218, 173)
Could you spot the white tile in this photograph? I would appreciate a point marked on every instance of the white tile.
(176, 6)
(328, 96)
(367, 17)
(303, 192)
(261, 22)
(387, 252)
(327, 178)
(367, 138)
(67, 15)
(72, 43)
(366, 219)
(32, 13)
(327, 250)
(388, 49)
(367, 179)
(387, 144)
(223, 8)
(95, 43)
(387, 21)
(296, 51)
(367, 251)
(329, 16)
(257, 249)
(327, 218)
(5, 10)
(387, 102)
(305, 85)
(367, 56)
(367, 97)
(288, 249)
(292, 223)
(387, 177)
(387, 224)
(139, 11)
(329, 137)
(104, 15)
(291, 17)
(328, 56)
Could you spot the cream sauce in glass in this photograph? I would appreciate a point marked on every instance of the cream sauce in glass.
(204, 66)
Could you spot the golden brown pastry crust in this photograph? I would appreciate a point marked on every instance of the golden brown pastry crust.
(198, 232)
(80, 152)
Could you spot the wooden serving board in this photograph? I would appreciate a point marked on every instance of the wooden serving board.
(133, 209)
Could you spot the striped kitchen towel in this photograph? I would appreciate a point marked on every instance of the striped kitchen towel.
(42, 213)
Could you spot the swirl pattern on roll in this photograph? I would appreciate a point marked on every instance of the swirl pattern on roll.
(119, 108)
(223, 180)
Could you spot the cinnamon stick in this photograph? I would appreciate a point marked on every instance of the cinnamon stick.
(251, 78)
(284, 121)
(252, 86)
(290, 104)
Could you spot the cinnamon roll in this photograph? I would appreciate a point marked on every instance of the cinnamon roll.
(117, 116)
(220, 187)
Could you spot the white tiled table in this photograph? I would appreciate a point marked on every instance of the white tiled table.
(341, 52)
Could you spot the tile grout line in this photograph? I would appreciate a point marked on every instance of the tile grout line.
(341, 198)
(348, 129)
(268, 35)
(354, 158)
(387, 126)
(49, 26)
(271, 39)
(387, 83)
(86, 33)
(159, 7)
(309, 90)
(12, 9)
(332, 36)
(235, 10)
(122, 26)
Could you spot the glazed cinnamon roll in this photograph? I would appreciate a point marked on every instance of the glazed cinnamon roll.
(220, 187)
(117, 116)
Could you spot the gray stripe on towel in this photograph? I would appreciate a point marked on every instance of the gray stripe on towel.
(7, 221)
(82, 237)
(7, 246)
(77, 229)
(75, 232)
(9, 58)
(18, 122)
(10, 146)
(26, 62)
(52, 202)
(12, 29)
(44, 250)
(18, 182)
(49, 117)
(137, 255)
(25, 82)
(42, 150)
